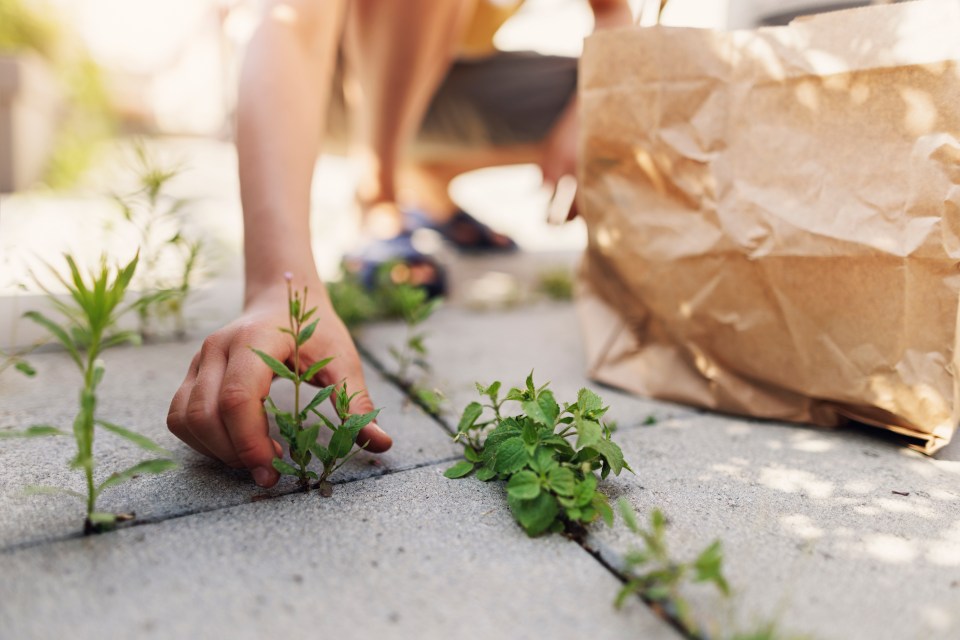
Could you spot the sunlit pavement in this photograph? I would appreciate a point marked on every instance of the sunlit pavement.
(838, 534)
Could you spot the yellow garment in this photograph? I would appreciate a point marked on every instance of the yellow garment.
(488, 17)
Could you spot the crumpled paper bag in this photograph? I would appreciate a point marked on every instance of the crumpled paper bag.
(774, 217)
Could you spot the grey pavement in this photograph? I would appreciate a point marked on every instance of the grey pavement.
(840, 534)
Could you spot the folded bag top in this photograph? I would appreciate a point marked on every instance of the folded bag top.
(774, 217)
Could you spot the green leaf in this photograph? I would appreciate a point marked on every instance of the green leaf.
(535, 412)
(629, 515)
(358, 421)
(341, 443)
(459, 470)
(306, 437)
(486, 474)
(600, 503)
(588, 401)
(320, 397)
(524, 485)
(57, 333)
(278, 367)
(469, 417)
(44, 490)
(285, 468)
(471, 454)
(306, 332)
(132, 337)
(315, 369)
(588, 432)
(586, 489)
(549, 407)
(610, 452)
(511, 456)
(158, 465)
(35, 431)
(140, 440)
(25, 368)
(562, 481)
(543, 460)
(491, 392)
(322, 453)
(536, 515)
(530, 433)
(709, 567)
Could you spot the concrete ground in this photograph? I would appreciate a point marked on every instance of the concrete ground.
(835, 534)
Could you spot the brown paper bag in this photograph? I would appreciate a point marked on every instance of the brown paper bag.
(774, 217)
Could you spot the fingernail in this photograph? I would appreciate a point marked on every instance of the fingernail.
(262, 476)
(377, 428)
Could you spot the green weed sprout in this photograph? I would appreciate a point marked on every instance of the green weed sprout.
(547, 455)
(169, 257)
(301, 437)
(661, 577)
(89, 327)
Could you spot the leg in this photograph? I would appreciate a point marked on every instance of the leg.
(399, 53)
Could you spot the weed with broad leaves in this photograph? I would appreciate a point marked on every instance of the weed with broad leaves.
(89, 326)
(169, 258)
(549, 456)
(301, 437)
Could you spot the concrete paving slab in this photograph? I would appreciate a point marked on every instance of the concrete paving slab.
(136, 393)
(411, 555)
(840, 534)
(466, 347)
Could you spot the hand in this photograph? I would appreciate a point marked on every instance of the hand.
(218, 409)
(559, 154)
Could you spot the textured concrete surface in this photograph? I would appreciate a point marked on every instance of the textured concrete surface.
(136, 393)
(467, 347)
(410, 555)
(838, 534)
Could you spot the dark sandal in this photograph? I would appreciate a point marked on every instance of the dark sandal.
(464, 232)
(398, 260)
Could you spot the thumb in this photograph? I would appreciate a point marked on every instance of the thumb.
(350, 371)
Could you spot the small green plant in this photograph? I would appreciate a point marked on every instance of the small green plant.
(16, 358)
(170, 258)
(548, 456)
(301, 438)
(657, 577)
(89, 327)
(556, 284)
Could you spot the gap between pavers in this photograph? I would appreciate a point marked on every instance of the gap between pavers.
(411, 555)
(136, 393)
(835, 533)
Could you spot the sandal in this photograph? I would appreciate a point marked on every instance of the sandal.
(464, 232)
(397, 260)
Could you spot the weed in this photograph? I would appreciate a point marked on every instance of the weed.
(550, 475)
(300, 437)
(662, 576)
(89, 327)
(17, 359)
(556, 284)
(169, 256)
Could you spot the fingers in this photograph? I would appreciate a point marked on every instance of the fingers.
(246, 382)
(176, 416)
(346, 367)
(218, 409)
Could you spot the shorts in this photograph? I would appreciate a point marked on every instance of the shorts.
(506, 99)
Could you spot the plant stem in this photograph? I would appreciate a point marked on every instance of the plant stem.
(87, 426)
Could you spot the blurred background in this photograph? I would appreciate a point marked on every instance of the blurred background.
(88, 88)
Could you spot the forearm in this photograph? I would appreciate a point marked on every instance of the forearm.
(284, 89)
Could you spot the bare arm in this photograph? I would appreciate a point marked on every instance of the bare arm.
(559, 157)
(284, 88)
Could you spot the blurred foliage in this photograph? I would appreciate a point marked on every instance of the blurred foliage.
(556, 284)
(88, 118)
(25, 28)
